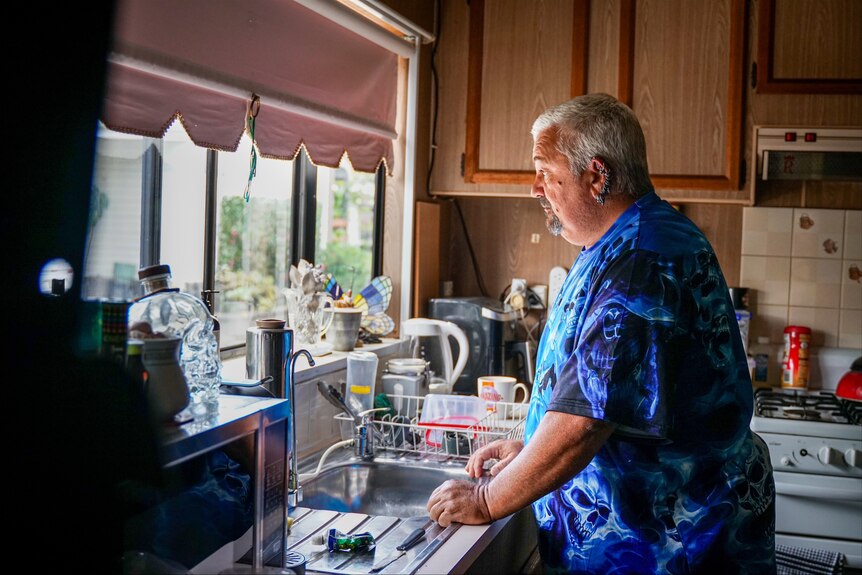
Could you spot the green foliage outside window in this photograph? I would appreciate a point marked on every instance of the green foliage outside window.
(247, 251)
(350, 264)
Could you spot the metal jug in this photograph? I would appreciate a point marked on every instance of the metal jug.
(430, 341)
(269, 347)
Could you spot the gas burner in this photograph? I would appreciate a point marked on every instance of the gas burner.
(806, 405)
(800, 413)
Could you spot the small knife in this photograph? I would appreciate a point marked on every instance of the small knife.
(409, 542)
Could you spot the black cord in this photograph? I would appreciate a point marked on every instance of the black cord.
(436, 93)
(478, 273)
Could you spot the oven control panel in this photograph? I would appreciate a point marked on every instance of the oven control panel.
(793, 453)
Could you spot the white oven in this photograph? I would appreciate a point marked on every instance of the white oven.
(815, 444)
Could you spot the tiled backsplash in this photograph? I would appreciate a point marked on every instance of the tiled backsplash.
(804, 267)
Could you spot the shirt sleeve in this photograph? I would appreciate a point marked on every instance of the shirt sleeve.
(621, 364)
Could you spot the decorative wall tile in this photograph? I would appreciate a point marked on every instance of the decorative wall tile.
(823, 324)
(815, 283)
(768, 321)
(818, 233)
(767, 231)
(851, 284)
(850, 329)
(804, 266)
(853, 235)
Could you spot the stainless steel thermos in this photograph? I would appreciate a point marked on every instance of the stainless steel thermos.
(269, 347)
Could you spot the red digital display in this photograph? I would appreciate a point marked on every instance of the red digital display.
(789, 136)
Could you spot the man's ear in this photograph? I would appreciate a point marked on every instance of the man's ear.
(598, 172)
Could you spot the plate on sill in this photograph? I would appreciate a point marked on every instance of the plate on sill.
(318, 349)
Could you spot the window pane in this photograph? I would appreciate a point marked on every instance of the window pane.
(345, 224)
(183, 209)
(253, 239)
(112, 252)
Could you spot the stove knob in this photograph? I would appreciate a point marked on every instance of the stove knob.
(786, 461)
(827, 455)
(853, 457)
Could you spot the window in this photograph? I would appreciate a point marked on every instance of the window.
(252, 247)
(112, 250)
(345, 224)
(150, 205)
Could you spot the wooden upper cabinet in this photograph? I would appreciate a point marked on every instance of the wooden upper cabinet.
(686, 84)
(680, 65)
(524, 57)
(809, 47)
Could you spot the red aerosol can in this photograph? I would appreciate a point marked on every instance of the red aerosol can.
(797, 343)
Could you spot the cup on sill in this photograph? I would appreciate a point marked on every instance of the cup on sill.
(344, 329)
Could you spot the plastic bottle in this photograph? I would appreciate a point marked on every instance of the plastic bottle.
(361, 380)
(762, 354)
(167, 311)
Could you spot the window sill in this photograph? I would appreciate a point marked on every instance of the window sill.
(234, 367)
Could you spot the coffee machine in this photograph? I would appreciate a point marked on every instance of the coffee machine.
(490, 329)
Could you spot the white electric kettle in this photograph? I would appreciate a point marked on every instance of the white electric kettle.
(430, 340)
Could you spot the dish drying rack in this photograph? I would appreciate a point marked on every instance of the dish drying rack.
(404, 432)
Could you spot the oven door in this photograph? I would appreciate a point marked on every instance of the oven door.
(821, 510)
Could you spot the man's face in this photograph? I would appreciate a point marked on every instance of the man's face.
(569, 207)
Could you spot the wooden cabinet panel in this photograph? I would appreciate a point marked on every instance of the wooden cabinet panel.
(687, 91)
(513, 76)
(684, 115)
(520, 76)
(809, 46)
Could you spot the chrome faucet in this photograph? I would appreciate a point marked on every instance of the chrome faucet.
(294, 489)
(363, 441)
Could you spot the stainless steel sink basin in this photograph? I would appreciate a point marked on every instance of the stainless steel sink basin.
(377, 488)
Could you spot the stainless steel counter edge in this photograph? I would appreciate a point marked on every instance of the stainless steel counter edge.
(462, 549)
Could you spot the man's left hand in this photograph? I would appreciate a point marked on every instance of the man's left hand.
(458, 501)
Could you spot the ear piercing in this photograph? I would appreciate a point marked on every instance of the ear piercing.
(606, 184)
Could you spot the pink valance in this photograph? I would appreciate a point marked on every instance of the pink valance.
(320, 84)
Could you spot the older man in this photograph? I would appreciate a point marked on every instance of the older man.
(637, 455)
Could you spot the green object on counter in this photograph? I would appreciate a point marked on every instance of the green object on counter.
(381, 400)
(338, 541)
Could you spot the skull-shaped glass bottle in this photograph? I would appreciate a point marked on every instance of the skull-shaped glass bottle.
(166, 311)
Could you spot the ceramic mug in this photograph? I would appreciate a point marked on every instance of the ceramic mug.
(494, 388)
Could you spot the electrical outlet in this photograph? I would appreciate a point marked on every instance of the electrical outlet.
(519, 285)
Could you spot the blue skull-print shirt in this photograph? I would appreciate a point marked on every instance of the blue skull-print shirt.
(643, 335)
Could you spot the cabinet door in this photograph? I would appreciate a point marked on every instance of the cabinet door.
(809, 47)
(683, 78)
(524, 57)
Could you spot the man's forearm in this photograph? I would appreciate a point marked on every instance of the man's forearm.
(561, 447)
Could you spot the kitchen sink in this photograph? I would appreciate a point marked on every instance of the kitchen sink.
(379, 487)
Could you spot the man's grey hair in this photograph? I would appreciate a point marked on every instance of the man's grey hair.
(599, 125)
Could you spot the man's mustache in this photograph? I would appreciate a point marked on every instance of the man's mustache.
(545, 204)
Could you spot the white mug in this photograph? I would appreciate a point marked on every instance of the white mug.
(494, 388)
